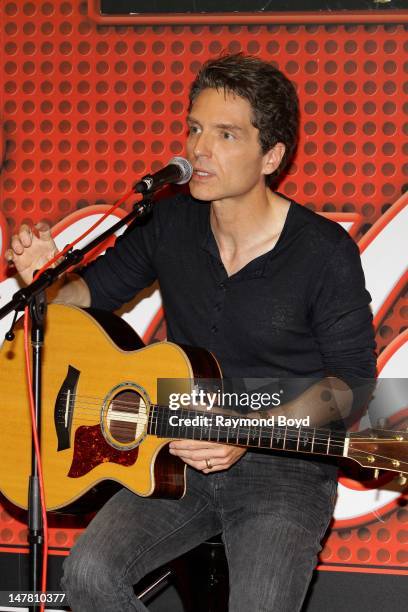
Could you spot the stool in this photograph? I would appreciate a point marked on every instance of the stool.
(200, 577)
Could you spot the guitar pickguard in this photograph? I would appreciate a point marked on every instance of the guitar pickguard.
(91, 449)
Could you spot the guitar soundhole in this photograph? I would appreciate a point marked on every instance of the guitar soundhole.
(126, 417)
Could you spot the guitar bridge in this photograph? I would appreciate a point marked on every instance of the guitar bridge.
(64, 406)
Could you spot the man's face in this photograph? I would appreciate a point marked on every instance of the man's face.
(223, 148)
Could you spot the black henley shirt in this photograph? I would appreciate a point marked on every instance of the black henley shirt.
(299, 310)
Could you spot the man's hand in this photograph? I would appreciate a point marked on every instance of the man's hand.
(207, 457)
(33, 247)
(30, 249)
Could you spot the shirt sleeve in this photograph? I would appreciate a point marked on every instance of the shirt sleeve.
(341, 316)
(125, 269)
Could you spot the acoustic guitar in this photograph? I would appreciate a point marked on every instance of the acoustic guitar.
(101, 419)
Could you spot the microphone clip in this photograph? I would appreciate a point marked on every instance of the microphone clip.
(144, 186)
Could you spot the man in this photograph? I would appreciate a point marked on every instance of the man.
(273, 290)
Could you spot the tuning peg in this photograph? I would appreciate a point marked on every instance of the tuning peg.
(402, 479)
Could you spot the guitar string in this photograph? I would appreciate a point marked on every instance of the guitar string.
(227, 435)
(244, 432)
(403, 467)
(265, 431)
(363, 454)
(300, 447)
(223, 432)
(298, 440)
(97, 406)
(235, 440)
(161, 420)
(135, 419)
(99, 400)
(120, 403)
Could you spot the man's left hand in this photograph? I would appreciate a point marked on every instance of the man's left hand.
(207, 457)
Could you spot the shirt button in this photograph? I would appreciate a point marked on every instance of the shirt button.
(217, 307)
(214, 329)
(222, 286)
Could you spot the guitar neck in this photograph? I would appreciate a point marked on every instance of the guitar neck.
(240, 431)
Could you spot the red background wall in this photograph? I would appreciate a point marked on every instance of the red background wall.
(87, 109)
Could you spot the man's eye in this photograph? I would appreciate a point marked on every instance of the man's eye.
(193, 129)
(228, 136)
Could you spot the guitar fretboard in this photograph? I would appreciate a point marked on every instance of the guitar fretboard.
(214, 427)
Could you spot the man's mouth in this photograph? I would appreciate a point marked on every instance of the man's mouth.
(202, 173)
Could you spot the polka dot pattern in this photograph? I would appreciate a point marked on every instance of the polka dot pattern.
(377, 543)
(63, 530)
(77, 82)
(88, 109)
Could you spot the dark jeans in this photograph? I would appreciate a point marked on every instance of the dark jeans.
(273, 512)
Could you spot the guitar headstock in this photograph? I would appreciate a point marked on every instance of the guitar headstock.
(380, 450)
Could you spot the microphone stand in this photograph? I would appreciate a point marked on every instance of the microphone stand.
(33, 296)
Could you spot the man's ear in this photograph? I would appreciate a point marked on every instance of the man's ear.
(273, 158)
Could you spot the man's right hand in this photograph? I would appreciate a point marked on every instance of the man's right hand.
(33, 247)
(30, 249)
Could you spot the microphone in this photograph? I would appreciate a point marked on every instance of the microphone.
(178, 171)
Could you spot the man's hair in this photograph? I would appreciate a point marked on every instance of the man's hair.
(272, 97)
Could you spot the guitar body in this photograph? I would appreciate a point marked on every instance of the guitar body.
(102, 419)
(96, 406)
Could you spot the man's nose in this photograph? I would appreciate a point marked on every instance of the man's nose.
(202, 145)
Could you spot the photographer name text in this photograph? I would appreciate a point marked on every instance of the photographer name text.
(220, 420)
